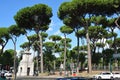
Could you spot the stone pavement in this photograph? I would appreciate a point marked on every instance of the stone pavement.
(57, 75)
(82, 74)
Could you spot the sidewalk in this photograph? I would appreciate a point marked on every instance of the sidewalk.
(82, 74)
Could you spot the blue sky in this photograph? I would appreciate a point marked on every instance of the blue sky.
(10, 7)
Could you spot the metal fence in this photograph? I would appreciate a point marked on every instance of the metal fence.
(106, 68)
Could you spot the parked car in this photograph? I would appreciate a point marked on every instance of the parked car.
(2, 73)
(2, 77)
(116, 75)
(8, 74)
(104, 75)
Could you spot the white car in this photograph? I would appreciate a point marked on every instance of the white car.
(8, 74)
(104, 75)
(116, 75)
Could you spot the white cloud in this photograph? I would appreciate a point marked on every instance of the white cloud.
(50, 29)
(57, 32)
(48, 40)
(52, 23)
(63, 36)
(18, 53)
(116, 30)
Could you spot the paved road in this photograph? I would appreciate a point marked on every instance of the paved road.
(51, 78)
(33, 78)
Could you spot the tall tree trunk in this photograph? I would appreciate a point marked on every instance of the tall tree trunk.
(116, 22)
(89, 52)
(78, 51)
(14, 42)
(3, 46)
(41, 52)
(78, 54)
(94, 47)
(28, 49)
(65, 54)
